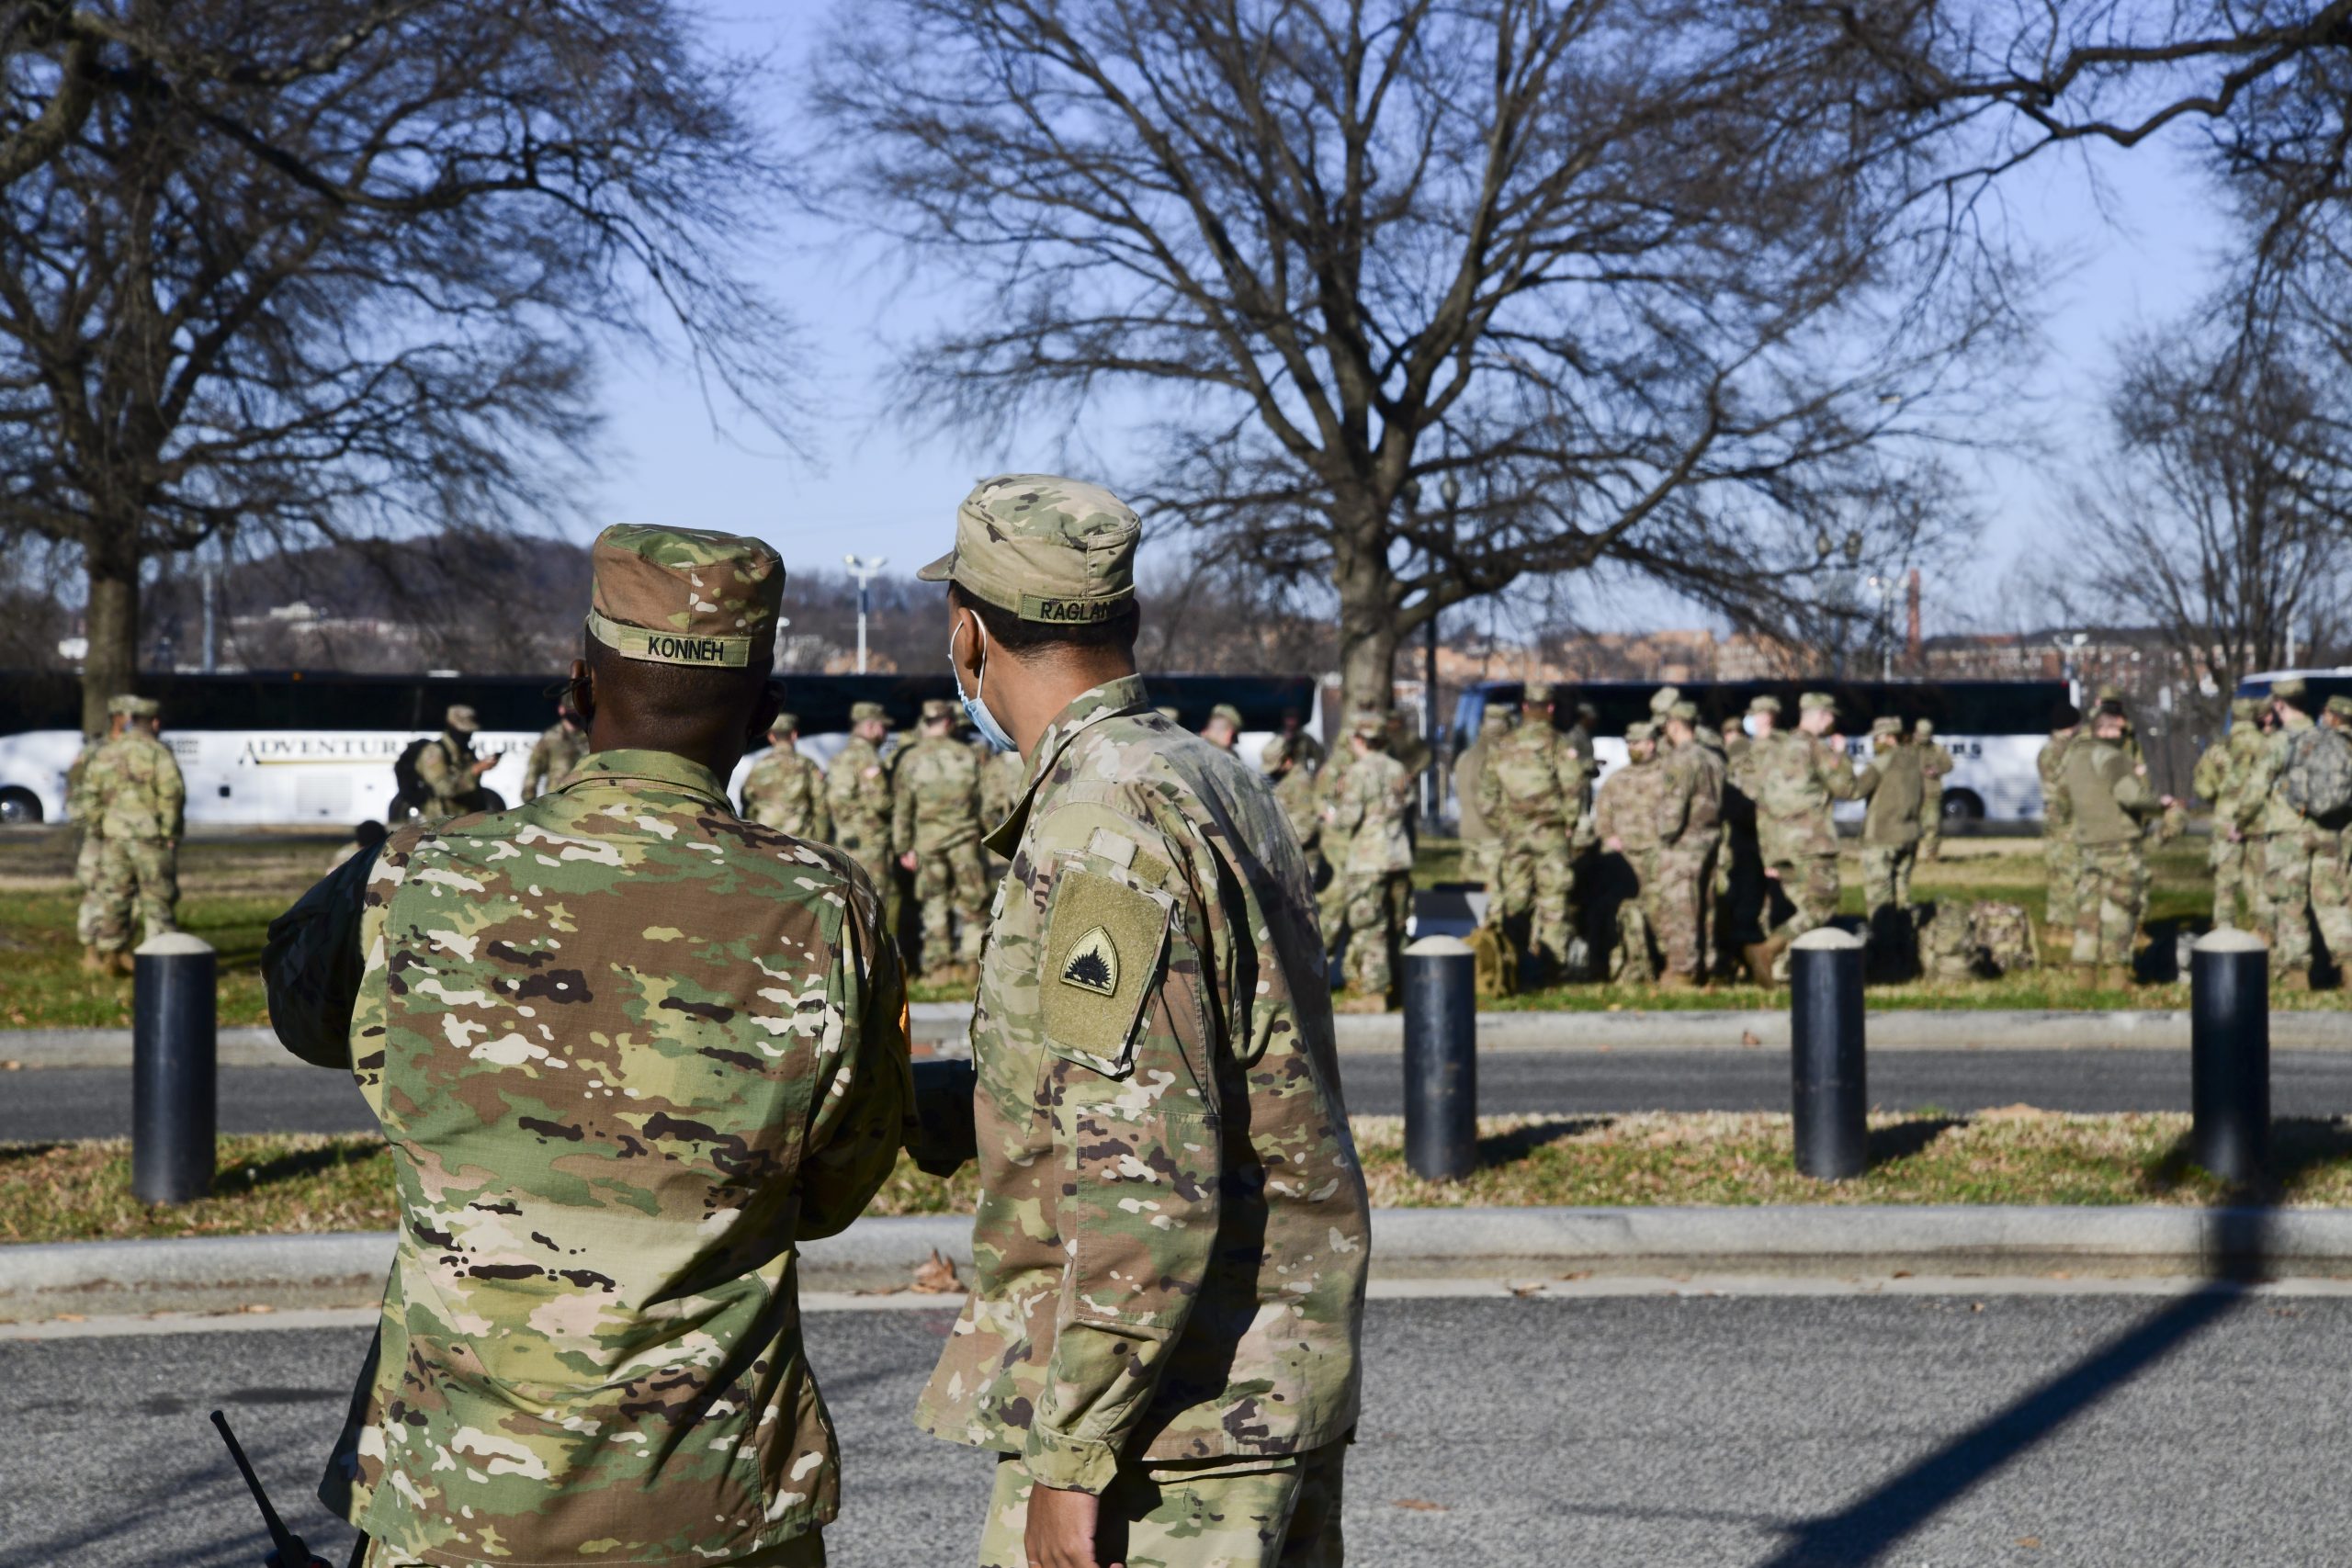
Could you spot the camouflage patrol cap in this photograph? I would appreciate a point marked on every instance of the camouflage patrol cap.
(1494, 713)
(1056, 550)
(1688, 712)
(939, 710)
(1924, 728)
(2293, 688)
(1886, 726)
(1271, 757)
(1369, 725)
(1229, 712)
(2249, 707)
(1536, 694)
(461, 719)
(1642, 730)
(1768, 703)
(1818, 701)
(786, 724)
(2341, 706)
(683, 595)
(860, 712)
(1662, 700)
(129, 706)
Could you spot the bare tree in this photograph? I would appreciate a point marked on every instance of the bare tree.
(2221, 522)
(366, 299)
(1653, 281)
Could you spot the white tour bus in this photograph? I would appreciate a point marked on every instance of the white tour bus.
(294, 748)
(1993, 728)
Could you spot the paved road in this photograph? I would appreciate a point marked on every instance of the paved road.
(1762, 1432)
(91, 1102)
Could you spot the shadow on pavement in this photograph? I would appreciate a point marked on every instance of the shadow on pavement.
(1866, 1529)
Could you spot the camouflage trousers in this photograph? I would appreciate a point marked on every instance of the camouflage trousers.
(1482, 864)
(1332, 904)
(2063, 859)
(1886, 876)
(1535, 883)
(2304, 884)
(800, 1551)
(1372, 922)
(2110, 897)
(85, 877)
(2225, 858)
(1682, 899)
(1228, 1513)
(134, 876)
(1810, 886)
(1931, 833)
(952, 896)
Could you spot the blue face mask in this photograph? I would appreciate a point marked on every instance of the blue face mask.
(974, 708)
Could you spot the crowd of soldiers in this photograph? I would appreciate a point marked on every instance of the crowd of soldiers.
(1705, 856)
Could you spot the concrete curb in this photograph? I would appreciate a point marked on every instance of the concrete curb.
(303, 1271)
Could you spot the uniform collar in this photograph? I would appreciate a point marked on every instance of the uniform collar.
(662, 769)
(1109, 700)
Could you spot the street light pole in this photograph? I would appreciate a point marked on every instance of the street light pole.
(865, 571)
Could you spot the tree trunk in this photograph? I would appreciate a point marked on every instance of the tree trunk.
(111, 667)
(1368, 630)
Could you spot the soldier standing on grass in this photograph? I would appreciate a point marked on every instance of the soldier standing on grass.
(1169, 1247)
(631, 1052)
(138, 809)
(2060, 860)
(1370, 809)
(2111, 804)
(2219, 781)
(1532, 794)
(2300, 834)
(448, 769)
(1302, 805)
(81, 806)
(1794, 779)
(935, 788)
(857, 795)
(1481, 844)
(555, 753)
(1625, 814)
(786, 791)
(1935, 765)
(1689, 835)
(1894, 785)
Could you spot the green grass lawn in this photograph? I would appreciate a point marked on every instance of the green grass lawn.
(80, 1192)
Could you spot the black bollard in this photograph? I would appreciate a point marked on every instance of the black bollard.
(174, 1056)
(1826, 1049)
(2229, 1055)
(1440, 1059)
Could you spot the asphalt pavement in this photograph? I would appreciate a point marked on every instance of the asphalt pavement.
(1770, 1432)
(94, 1103)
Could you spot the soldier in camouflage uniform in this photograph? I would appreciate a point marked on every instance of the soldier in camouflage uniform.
(1625, 814)
(137, 806)
(785, 790)
(857, 795)
(1934, 766)
(555, 753)
(1481, 844)
(1689, 837)
(1224, 727)
(1169, 1247)
(631, 1052)
(451, 771)
(1793, 777)
(2061, 861)
(935, 788)
(1302, 802)
(1332, 903)
(1532, 794)
(2299, 855)
(1002, 774)
(81, 808)
(1739, 880)
(1370, 809)
(1895, 784)
(1299, 744)
(2108, 801)
(2332, 864)
(2219, 781)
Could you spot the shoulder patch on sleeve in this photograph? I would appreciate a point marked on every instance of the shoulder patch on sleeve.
(1104, 942)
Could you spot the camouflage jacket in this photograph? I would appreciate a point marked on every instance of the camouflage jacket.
(2263, 806)
(1296, 793)
(1792, 778)
(1690, 795)
(132, 789)
(1896, 787)
(786, 791)
(935, 797)
(1936, 764)
(1627, 809)
(446, 768)
(1371, 810)
(2057, 811)
(1001, 776)
(1530, 779)
(1467, 767)
(81, 806)
(857, 793)
(558, 750)
(1170, 1250)
(2107, 797)
(629, 1050)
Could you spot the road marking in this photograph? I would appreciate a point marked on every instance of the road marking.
(1603, 1287)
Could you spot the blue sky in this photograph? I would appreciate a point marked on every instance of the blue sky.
(2138, 228)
